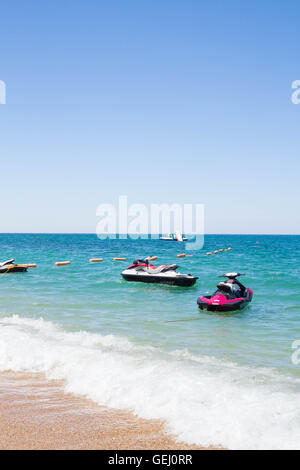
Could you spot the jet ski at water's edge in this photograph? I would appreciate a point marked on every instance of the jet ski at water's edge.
(231, 295)
(10, 267)
(142, 271)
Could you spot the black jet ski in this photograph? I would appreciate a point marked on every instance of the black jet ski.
(142, 270)
(231, 295)
(10, 267)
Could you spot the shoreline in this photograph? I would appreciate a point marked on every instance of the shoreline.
(36, 413)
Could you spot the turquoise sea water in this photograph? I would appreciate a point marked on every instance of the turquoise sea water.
(156, 333)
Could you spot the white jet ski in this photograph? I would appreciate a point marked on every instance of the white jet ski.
(142, 271)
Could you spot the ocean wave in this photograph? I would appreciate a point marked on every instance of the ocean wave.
(203, 400)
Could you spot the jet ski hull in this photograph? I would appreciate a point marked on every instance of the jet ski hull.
(220, 303)
(178, 280)
(12, 269)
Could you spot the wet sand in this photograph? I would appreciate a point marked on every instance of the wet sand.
(36, 414)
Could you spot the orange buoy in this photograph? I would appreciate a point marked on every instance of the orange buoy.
(228, 249)
(96, 260)
(119, 259)
(220, 251)
(152, 258)
(182, 255)
(208, 254)
(216, 252)
(62, 263)
(33, 265)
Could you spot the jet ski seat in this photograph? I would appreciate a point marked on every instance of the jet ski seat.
(223, 286)
(162, 269)
(230, 290)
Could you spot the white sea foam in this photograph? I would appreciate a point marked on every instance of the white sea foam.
(203, 400)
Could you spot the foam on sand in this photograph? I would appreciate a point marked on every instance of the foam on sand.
(203, 400)
(35, 413)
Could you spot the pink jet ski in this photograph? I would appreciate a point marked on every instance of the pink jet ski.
(231, 295)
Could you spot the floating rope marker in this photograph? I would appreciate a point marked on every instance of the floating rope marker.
(119, 259)
(182, 255)
(208, 254)
(96, 260)
(62, 263)
(152, 258)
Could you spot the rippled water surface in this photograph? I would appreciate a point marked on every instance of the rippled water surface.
(95, 325)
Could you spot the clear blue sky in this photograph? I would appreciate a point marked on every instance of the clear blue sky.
(163, 101)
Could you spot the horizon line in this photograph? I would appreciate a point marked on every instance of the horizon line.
(90, 233)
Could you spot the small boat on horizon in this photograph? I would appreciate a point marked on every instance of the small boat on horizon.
(174, 237)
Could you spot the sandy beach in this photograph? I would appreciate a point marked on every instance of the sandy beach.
(36, 414)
